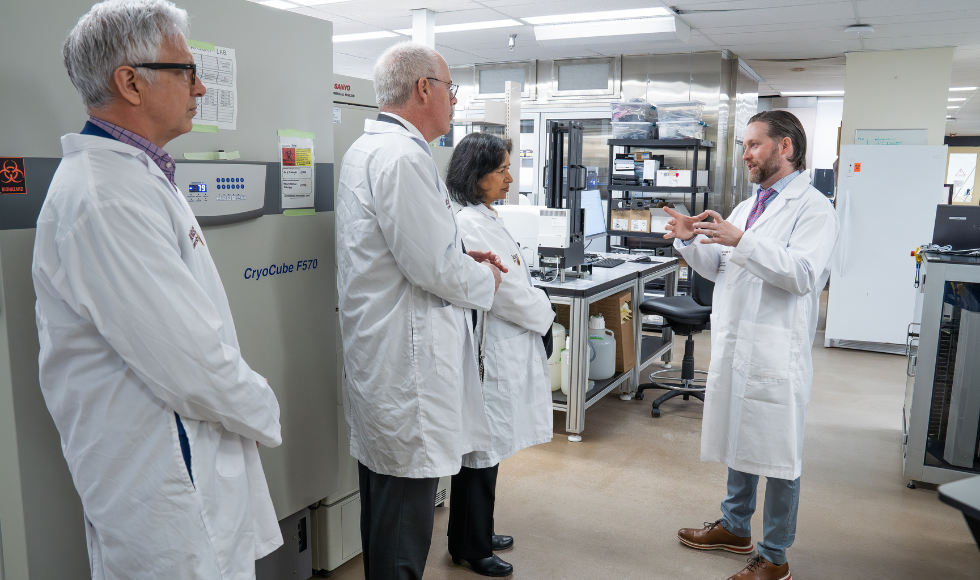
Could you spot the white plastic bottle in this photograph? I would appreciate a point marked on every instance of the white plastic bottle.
(603, 366)
(554, 363)
(566, 366)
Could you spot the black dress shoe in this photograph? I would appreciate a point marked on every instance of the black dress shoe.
(502, 542)
(492, 566)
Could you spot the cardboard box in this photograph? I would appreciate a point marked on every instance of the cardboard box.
(658, 217)
(640, 220)
(620, 220)
(612, 310)
(680, 178)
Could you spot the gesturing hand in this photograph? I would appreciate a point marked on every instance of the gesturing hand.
(487, 257)
(718, 232)
(681, 226)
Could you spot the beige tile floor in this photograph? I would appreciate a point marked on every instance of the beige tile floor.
(609, 507)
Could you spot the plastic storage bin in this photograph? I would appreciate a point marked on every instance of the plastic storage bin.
(635, 130)
(632, 111)
(681, 129)
(684, 111)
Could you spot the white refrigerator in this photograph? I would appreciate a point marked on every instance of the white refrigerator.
(886, 201)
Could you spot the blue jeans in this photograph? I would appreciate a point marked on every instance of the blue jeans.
(779, 513)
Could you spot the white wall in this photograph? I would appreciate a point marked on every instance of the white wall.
(829, 112)
(821, 118)
(897, 89)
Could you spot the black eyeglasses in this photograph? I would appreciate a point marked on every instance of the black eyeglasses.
(452, 88)
(169, 66)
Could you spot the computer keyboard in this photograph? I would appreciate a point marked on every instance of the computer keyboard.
(607, 263)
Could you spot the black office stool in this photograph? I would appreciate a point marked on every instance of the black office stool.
(685, 315)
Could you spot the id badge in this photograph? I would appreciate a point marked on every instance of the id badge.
(725, 254)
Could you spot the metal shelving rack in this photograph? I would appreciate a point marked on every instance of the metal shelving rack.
(646, 191)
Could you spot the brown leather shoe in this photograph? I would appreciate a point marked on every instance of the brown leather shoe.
(761, 569)
(714, 536)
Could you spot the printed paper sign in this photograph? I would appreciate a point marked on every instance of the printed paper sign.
(297, 169)
(217, 69)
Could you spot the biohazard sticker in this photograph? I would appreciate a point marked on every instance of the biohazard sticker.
(13, 176)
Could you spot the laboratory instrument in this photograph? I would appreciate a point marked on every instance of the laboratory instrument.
(941, 413)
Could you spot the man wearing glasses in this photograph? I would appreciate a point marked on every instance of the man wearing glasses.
(407, 293)
(139, 364)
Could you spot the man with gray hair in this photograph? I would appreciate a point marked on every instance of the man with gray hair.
(139, 364)
(407, 290)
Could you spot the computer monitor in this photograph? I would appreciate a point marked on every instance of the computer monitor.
(595, 217)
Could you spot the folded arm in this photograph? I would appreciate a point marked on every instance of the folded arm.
(421, 234)
(124, 267)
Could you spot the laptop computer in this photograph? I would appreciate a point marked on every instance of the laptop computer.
(957, 226)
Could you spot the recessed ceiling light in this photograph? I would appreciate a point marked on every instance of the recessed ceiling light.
(485, 25)
(860, 29)
(364, 36)
(811, 93)
(950, 118)
(951, 89)
(953, 107)
(956, 99)
(593, 16)
(316, 2)
(281, 4)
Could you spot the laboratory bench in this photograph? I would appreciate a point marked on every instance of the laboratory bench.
(578, 294)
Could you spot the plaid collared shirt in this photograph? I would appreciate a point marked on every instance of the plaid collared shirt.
(163, 160)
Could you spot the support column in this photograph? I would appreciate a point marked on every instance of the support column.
(424, 27)
(512, 131)
(897, 89)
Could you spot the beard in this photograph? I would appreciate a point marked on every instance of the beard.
(766, 169)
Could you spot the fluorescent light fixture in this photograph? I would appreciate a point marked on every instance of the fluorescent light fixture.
(485, 25)
(811, 93)
(364, 36)
(950, 118)
(954, 89)
(953, 107)
(595, 16)
(477, 25)
(664, 28)
(956, 99)
(315, 2)
(281, 4)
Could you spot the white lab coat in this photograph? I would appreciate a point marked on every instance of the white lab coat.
(134, 325)
(516, 383)
(406, 289)
(764, 316)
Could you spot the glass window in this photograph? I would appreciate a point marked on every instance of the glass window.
(492, 80)
(583, 77)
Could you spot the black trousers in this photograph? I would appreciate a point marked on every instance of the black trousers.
(396, 524)
(471, 513)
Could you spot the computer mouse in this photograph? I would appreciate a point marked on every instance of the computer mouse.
(643, 259)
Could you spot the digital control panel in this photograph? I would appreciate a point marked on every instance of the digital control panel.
(222, 189)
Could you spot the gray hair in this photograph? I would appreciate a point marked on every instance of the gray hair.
(115, 33)
(398, 70)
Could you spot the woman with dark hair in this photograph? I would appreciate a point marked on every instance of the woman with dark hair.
(516, 382)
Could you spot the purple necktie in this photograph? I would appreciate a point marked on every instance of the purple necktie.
(759, 207)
